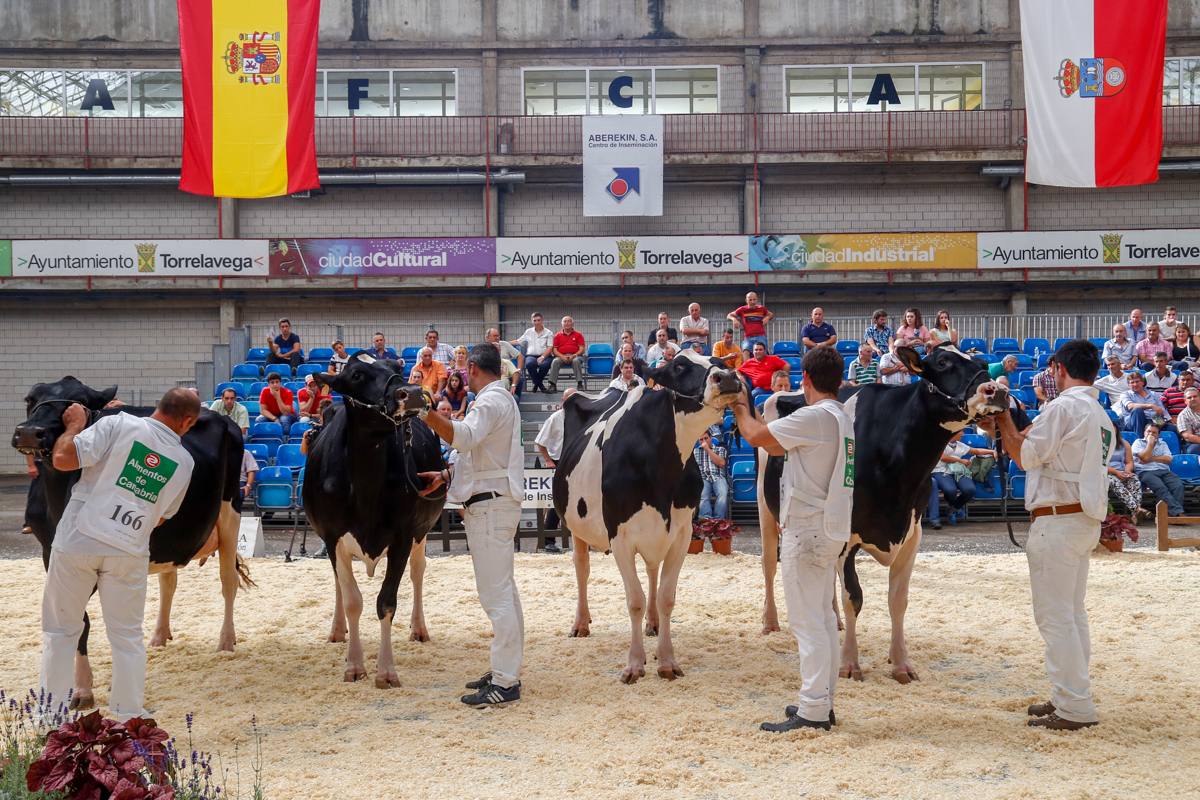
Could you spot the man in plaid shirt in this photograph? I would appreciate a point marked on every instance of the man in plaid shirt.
(711, 457)
(1044, 385)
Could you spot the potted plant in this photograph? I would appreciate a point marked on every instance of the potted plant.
(1113, 531)
(700, 528)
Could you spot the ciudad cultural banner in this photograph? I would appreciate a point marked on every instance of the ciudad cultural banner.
(365, 257)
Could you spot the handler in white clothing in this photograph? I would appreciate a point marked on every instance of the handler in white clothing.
(549, 442)
(488, 478)
(1065, 454)
(816, 495)
(135, 474)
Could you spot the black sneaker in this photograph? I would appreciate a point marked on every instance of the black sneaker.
(792, 711)
(483, 681)
(793, 722)
(551, 547)
(492, 695)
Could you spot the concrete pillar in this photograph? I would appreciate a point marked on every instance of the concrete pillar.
(751, 70)
(1014, 204)
(227, 217)
(1018, 304)
(751, 205)
(750, 26)
(491, 86)
(491, 313)
(231, 313)
(487, 10)
(489, 200)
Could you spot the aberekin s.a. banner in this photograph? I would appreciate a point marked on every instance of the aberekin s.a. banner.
(1044, 249)
(331, 257)
(1093, 90)
(138, 258)
(862, 251)
(598, 254)
(622, 166)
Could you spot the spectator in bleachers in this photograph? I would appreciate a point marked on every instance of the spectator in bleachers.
(1115, 382)
(454, 393)
(509, 354)
(569, 349)
(752, 320)
(311, 397)
(661, 345)
(1135, 327)
(1161, 378)
(1121, 345)
(1123, 481)
(339, 359)
(1044, 384)
(1184, 352)
(379, 349)
(275, 403)
(1139, 406)
(891, 369)
(538, 343)
(728, 350)
(549, 442)
(441, 351)
(624, 354)
(1016, 408)
(1152, 462)
(879, 335)
(760, 367)
(693, 327)
(249, 474)
(780, 381)
(228, 406)
(324, 414)
(285, 348)
(1188, 422)
(626, 377)
(1169, 322)
(664, 324)
(943, 330)
(863, 370)
(510, 375)
(712, 457)
(416, 376)
(460, 363)
(1173, 398)
(1005, 366)
(639, 349)
(433, 373)
(817, 332)
(952, 478)
(914, 331)
(1152, 344)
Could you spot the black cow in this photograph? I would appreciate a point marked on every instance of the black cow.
(361, 479)
(900, 433)
(206, 520)
(628, 482)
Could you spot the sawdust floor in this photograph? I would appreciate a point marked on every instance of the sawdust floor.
(578, 732)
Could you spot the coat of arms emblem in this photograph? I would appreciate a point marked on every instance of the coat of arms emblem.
(255, 57)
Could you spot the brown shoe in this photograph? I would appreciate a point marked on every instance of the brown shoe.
(1054, 722)
(1040, 709)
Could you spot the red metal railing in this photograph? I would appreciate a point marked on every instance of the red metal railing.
(880, 135)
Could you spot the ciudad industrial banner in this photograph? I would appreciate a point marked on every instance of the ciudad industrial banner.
(862, 251)
(594, 254)
(138, 258)
(1153, 248)
(446, 256)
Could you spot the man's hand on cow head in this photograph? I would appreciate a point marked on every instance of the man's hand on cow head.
(433, 479)
(75, 418)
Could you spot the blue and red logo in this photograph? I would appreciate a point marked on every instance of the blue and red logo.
(625, 180)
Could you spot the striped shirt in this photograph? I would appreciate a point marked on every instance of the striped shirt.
(863, 374)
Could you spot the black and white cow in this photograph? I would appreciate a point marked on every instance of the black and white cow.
(628, 483)
(361, 496)
(900, 433)
(206, 520)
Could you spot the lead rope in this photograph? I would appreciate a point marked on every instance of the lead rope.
(1004, 487)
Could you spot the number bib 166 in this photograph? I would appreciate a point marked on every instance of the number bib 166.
(123, 515)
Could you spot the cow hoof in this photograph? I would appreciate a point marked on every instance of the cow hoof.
(670, 672)
(226, 644)
(579, 631)
(905, 676)
(419, 635)
(387, 681)
(769, 627)
(353, 674)
(853, 671)
(336, 636)
(160, 639)
(630, 675)
(651, 630)
(82, 700)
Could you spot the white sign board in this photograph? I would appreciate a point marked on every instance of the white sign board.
(138, 258)
(1088, 249)
(622, 166)
(595, 254)
(538, 490)
(250, 542)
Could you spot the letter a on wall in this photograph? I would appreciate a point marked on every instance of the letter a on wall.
(884, 89)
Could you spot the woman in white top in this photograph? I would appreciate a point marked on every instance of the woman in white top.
(951, 477)
(628, 377)
(339, 359)
(942, 331)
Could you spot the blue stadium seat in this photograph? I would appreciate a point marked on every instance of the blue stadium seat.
(293, 386)
(1104, 400)
(600, 350)
(1171, 440)
(744, 482)
(298, 500)
(289, 455)
(992, 489)
(600, 359)
(795, 379)
(1004, 345)
(309, 369)
(1113, 416)
(296, 432)
(760, 400)
(255, 389)
(410, 354)
(1187, 467)
(1060, 341)
(1016, 487)
(727, 422)
(237, 386)
(274, 490)
(738, 446)
(320, 355)
(976, 440)
(1024, 377)
(260, 452)
(1099, 341)
(1036, 346)
(786, 348)
(1023, 361)
(252, 407)
(1043, 360)
(793, 363)
(258, 355)
(246, 372)
(1027, 397)
(973, 344)
(1130, 436)
(847, 347)
(267, 433)
(846, 362)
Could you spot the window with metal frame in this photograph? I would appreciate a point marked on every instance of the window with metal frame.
(924, 87)
(562, 91)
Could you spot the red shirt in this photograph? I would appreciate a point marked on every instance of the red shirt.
(752, 320)
(310, 399)
(568, 343)
(760, 372)
(266, 401)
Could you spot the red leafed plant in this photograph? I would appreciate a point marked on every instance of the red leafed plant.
(1117, 525)
(94, 758)
(709, 528)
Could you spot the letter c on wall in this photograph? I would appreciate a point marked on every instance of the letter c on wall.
(614, 91)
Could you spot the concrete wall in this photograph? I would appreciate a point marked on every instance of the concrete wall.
(105, 213)
(1173, 202)
(424, 20)
(368, 211)
(544, 210)
(787, 18)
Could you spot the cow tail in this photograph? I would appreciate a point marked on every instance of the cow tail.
(243, 571)
(850, 581)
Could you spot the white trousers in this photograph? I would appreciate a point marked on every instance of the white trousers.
(122, 588)
(490, 526)
(1059, 550)
(808, 562)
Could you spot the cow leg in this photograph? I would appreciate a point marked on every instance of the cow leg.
(227, 534)
(668, 667)
(337, 628)
(635, 599)
(851, 668)
(652, 571)
(583, 567)
(416, 573)
(82, 697)
(899, 579)
(770, 563)
(352, 603)
(385, 608)
(167, 581)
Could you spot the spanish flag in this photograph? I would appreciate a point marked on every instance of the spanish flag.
(249, 95)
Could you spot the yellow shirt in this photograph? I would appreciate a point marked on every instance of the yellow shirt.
(731, 353)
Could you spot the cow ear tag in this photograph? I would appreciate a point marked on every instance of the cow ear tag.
(365, 358)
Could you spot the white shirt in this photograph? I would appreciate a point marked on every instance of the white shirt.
(1160, 449)
(956, 449)
(249, 464)
(1168, 328)
(488, 441)
(134, 469)
(1157, 383)
(655, 353)
(688, 322)
(1059, 440)
(1113, 387)
(338, 363)
(810, 437)
(536, 343)
(619, 383)
(887, 361)
(550, 435)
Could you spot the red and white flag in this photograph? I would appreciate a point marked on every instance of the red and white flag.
(1093, 90)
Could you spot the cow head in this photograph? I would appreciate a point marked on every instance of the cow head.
(698, 381)
(961, 383)
(44, 407)
(377, 385)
